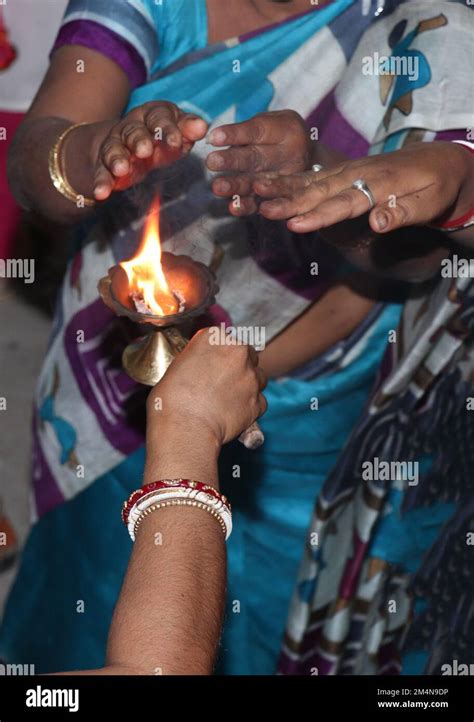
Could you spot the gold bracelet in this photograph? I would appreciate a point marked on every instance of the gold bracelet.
(58, 176)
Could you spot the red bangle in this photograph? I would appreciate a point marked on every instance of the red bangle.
(462, 220)
(135, 496)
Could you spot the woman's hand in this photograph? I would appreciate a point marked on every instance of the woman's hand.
(151, 136)
(276, 141)
(212, 388)
(414, 186)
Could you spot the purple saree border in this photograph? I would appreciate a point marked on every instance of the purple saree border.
(96, 37)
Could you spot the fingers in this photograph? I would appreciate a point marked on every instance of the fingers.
(257, 130)
(136, 138)
(114, 156)
(239, 189)
(162, 123)
(253, 356)
(261, 378)
(269, 142)
(244, 187)
(139, 133)
(402, 184)
(297, 203)
(149, 136)
(104, 183)
(262, 405)
(289, 196)
(312, 201)
(192, 127)
(269, 128)
(238, 185)
(125, 141)
(245, 206)
(260, 400)
(350, 203)
(268, 185)
(252, 158)
(411, 209)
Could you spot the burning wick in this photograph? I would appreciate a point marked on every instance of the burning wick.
(149, 290)
(142, 306)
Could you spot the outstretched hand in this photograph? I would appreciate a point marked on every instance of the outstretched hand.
(414, 186)
(150, 136)
(275, 141)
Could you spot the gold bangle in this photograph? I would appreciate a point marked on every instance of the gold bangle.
(58, 176)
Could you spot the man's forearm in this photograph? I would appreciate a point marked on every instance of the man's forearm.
(169, 615)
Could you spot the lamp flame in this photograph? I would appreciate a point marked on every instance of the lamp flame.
(145, 272)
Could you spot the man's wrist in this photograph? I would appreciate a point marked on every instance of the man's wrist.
(181, 448)
(183, 428)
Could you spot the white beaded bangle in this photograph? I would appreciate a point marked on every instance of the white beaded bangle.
(175, 497)
(183, 502)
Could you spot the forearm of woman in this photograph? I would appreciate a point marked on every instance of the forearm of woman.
(28, 172)
(169, 614)
(95, 97)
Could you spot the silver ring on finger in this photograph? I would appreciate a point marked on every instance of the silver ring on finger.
(316, 167)
(362, 186)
